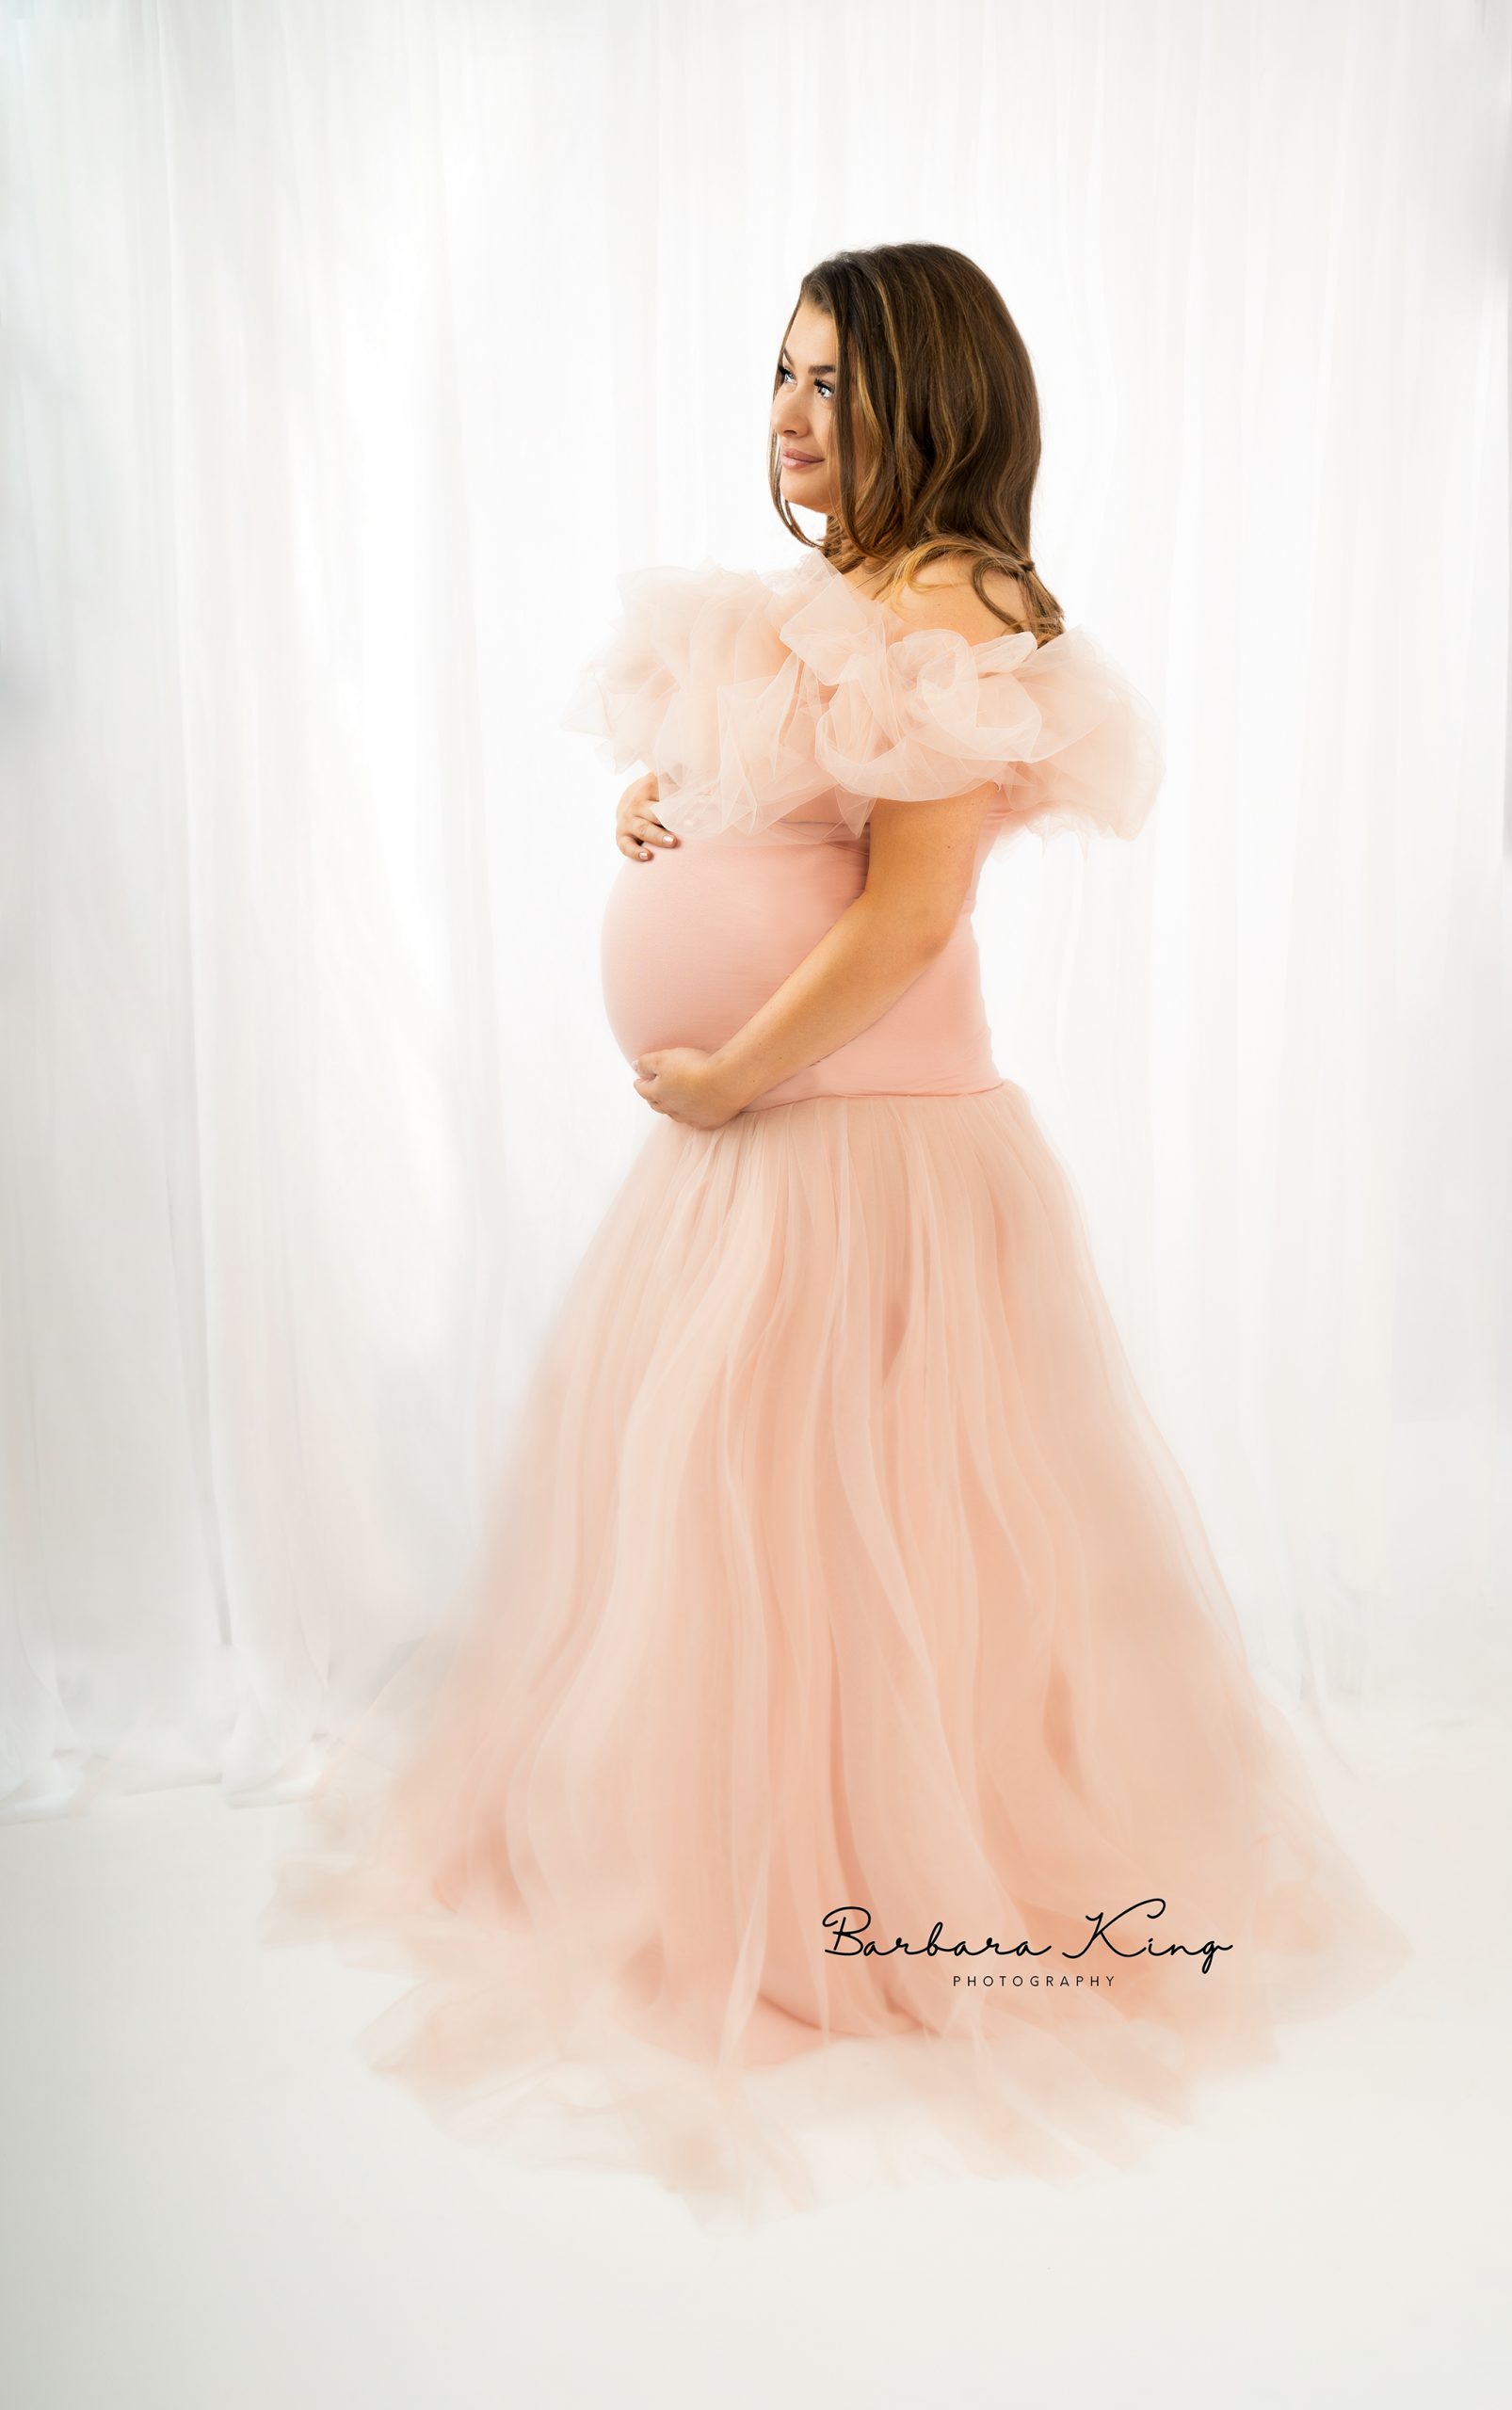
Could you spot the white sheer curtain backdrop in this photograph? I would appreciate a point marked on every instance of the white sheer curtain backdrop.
(349, 354)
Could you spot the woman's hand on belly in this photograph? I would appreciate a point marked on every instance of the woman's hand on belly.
(636, 827)
(688, 1086)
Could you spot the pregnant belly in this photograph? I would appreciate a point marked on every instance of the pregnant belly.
(696, 941)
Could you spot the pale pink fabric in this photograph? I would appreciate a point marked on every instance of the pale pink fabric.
(776, 708)
(698, 937)
(759, 694)
(839, 1572)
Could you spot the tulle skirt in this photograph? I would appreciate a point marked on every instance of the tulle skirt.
(847, 1765)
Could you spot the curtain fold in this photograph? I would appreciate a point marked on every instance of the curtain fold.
(350, 354)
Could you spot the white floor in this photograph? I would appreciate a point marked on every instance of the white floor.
(211, 2202)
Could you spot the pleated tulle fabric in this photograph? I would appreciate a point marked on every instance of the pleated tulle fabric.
(754, 694)
(841, 1590)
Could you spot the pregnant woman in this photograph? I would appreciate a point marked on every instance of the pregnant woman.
(849, 1763)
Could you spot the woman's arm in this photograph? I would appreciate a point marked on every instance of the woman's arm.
(922, 858)
(920, 870)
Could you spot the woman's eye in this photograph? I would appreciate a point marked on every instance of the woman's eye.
(820, 387)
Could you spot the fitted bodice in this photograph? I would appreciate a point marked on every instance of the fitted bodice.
(777, 709)
(697, 939)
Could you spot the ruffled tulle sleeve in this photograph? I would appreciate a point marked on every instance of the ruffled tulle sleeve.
(756, 697)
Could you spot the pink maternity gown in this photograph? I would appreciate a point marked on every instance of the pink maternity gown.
(839, 1590)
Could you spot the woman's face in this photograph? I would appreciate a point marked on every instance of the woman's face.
(803, 416)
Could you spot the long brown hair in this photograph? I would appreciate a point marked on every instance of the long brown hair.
(936, 422)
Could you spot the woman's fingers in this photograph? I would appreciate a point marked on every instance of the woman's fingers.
(639, 832)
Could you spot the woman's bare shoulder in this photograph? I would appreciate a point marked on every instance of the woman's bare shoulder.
(942, 594)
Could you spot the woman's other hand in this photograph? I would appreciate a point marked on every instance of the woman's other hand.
(636, 826)
(689, 1085)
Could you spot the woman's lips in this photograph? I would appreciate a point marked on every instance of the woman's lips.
(799, 460)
